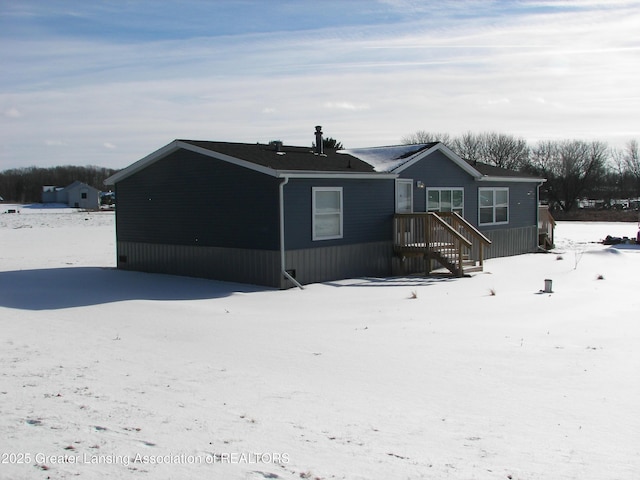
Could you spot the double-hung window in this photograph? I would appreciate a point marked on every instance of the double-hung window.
(493, 205)
(445, 200)
(327, 213)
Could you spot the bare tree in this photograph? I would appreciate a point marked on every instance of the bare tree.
(632, 158)
(423, 136)
(505, 151)
(492, 148)
(468, 146)
(626, 163)
(571, 167)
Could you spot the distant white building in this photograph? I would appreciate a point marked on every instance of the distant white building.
(76, 195)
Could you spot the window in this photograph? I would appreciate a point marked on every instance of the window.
(83, 195)
(327, 213)
(445, 200)
(404, 196)
(493, 205)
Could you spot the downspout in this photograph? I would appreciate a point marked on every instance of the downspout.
(283, 266)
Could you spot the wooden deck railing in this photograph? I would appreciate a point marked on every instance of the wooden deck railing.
(546, 227)
(447, 237)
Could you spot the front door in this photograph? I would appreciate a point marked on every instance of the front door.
(404, 196)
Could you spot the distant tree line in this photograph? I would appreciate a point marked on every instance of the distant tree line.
(574, 169)
(24, 185)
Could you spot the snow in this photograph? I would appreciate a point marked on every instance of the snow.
(386, 159)
(114, 374)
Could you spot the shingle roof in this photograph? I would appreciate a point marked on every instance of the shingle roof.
(493, 171)
(287, 158)
(277, 160)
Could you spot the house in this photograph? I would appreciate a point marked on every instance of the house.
(53, 194)
(279, 215)
(75, 195)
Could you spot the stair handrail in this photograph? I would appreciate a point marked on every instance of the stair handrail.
(473, 231)
(459, 240)
(457, 235)
(460, 220)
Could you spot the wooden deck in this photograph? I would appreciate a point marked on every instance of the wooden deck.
(444, 237)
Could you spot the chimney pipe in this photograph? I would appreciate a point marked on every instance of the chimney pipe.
(276, 145)
(319, 146)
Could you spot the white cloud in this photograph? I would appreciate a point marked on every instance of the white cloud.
(12, 113)
(346, 106)
(109, 145)
(497, 101)
(55, 143)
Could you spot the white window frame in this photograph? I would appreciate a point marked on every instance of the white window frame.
(440, 189)
(494, 206)
(405, 181)
(315, 214)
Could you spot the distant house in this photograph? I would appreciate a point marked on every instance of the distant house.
(76, 195)
(280, 215)
(53, 194)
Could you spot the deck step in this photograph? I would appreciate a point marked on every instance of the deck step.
(475, 268)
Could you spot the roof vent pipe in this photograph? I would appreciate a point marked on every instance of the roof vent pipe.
(319, 147)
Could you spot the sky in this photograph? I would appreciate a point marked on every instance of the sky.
(108, 82)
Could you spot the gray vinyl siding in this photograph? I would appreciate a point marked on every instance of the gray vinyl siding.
(511, 241)
(326, 263)
(368, 208)
(189, 199)
(523, 205)
(439, 171)
(259, 267)
(518, 236)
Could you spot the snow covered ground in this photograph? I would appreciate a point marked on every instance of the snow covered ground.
(113, 374)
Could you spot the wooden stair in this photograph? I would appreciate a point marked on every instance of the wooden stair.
(446, 238)
(450, 262)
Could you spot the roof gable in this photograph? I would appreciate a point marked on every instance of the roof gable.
(76, 184)
(388, 158)
(396, 158)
